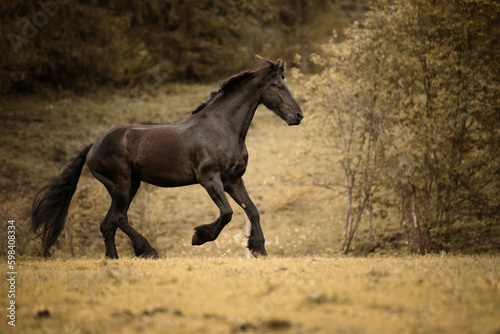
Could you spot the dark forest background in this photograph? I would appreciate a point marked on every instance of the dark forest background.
(78, 44)
(401, 97)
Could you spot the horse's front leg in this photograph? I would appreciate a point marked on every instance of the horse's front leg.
(256, 241)
(210, 232)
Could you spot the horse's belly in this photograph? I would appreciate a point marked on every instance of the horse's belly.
(164, 172)
(167, 179)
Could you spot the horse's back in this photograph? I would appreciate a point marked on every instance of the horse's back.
(158, 154)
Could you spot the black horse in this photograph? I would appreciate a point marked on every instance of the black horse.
(207, 148)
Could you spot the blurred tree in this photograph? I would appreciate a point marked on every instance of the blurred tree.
(420, 78)
(75, 44)
(65, 43)
(342, 113)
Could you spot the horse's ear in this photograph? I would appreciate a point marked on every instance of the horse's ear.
(279, 67)
(260, 58)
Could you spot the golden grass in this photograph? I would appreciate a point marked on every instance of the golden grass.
(431, 294)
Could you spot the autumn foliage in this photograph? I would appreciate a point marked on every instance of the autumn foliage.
(408, 106)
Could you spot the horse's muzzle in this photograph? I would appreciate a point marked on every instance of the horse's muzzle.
(295, 120)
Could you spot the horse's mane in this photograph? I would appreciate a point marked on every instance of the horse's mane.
(206, 103)
(233, 81)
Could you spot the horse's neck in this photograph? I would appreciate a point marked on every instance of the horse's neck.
(240, 108)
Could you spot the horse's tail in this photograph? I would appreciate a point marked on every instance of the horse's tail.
(51, 203)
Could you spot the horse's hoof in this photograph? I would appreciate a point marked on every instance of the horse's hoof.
(111, 257)
(151, 254)
(258, 253)
(257, 247)
(197, 240)
(202, 234)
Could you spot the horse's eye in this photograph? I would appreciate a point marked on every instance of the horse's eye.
(281, 87)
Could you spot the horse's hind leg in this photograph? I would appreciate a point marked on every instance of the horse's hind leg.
(122, 191)
(121, 202)
(108, 230)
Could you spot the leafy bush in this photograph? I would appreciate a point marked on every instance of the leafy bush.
(408, 107)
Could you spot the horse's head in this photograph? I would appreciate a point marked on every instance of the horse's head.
(277, 96)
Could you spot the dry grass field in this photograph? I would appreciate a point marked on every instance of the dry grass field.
(431, 294)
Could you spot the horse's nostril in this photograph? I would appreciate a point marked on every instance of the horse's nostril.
(299, 116)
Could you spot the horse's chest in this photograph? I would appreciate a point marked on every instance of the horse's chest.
(237, 163)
